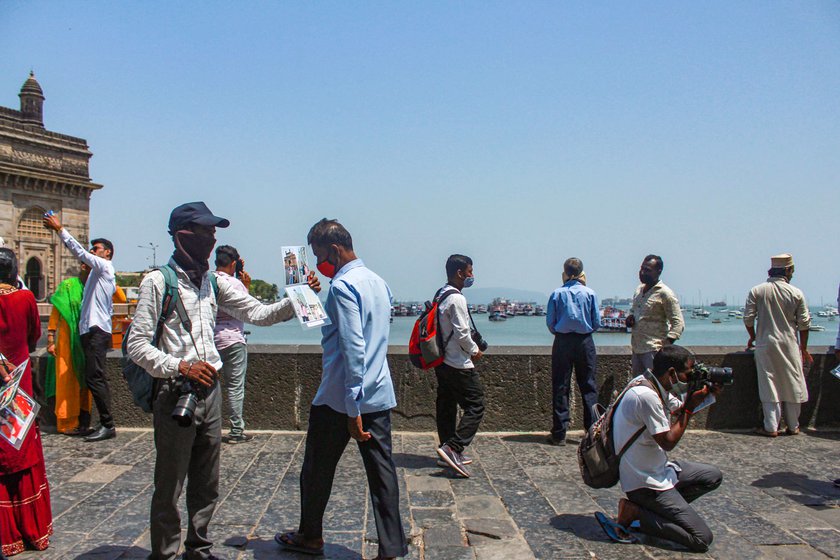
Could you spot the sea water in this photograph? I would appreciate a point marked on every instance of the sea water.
(531, 331)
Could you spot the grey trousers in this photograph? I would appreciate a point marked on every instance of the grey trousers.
(234, 367)
(190, 453)
(667, 514)
(639, 363)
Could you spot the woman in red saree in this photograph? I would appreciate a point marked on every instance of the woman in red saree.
(25, 515)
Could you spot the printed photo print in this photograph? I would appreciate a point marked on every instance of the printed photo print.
(295, 265)
(308, 308)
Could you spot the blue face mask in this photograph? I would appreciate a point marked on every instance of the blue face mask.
(469, 281)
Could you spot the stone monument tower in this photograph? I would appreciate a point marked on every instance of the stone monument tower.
(41, 170)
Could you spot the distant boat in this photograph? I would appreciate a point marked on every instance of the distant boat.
(497, 316)
(715, 320)
(613, 325)
(718, 304)
(816, 328)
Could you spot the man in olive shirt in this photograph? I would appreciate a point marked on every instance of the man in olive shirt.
(655, 317)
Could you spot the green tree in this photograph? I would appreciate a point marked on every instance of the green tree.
(126, 279)
(264, 291)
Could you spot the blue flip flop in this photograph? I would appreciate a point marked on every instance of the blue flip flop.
(611, 528)
(287, 542)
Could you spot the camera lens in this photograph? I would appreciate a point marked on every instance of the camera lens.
(185, 409)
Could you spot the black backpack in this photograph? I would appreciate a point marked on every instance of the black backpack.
(142, 385)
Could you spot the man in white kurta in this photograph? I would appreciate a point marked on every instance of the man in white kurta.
(775, 311)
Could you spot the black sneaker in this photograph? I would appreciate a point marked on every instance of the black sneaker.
(551, 440)
(237, 438)
(464, 461)
(453, 460)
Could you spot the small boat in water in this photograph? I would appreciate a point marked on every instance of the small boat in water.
(497, 316)
(816, 328)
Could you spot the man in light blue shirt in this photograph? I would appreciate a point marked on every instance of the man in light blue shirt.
(572, 317)
(354, 399)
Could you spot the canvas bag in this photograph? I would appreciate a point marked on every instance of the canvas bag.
(597, 459)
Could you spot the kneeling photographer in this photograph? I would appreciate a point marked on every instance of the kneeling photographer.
(649, 421)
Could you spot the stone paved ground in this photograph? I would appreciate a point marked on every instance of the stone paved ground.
(525, 500)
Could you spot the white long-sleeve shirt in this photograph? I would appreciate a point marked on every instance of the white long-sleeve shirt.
(201, 306)
(98, 297)
(455, 318)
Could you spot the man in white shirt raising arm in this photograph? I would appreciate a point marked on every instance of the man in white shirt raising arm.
(94, 319)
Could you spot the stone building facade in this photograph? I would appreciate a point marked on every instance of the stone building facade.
(41, 170)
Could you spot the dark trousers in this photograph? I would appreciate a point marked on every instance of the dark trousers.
(570, 351)
(326, 438)
(458, 387)
(188, 455)
(95, 344)
(667, 515)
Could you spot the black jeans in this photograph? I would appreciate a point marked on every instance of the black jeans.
(95, 344)
(569, 351)
(326, 438)
(666, 514)
(458, 387)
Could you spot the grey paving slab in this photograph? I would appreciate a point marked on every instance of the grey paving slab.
(524, 501)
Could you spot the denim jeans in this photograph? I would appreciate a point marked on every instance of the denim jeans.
(234, 367)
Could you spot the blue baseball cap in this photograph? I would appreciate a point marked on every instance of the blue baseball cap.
(194, 213)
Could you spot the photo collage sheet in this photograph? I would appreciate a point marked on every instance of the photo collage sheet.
(308, 308)
(18, 410)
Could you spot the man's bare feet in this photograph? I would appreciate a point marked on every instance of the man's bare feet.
(628, 512)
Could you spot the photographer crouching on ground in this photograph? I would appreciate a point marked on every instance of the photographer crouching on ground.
(659, 404)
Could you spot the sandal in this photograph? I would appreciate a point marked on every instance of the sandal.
(291, 541)
(790, 432)
(614, 531)
(765, 433)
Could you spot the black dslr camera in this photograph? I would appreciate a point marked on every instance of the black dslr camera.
(189, 393)
(702, 375)
(479, 340)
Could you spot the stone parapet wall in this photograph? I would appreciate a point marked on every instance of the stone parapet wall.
(283, 379)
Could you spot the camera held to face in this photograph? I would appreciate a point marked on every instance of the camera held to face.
(702, 375)
(189, 394)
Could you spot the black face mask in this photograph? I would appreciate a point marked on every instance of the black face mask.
(192, 253)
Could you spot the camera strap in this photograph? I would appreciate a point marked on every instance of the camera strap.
(186, 322)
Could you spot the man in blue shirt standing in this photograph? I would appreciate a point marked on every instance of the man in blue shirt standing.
(354, 399)
(572, 317)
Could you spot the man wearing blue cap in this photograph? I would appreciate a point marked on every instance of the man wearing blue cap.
(186, 353)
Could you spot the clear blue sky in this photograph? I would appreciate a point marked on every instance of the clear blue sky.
(519, 133)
